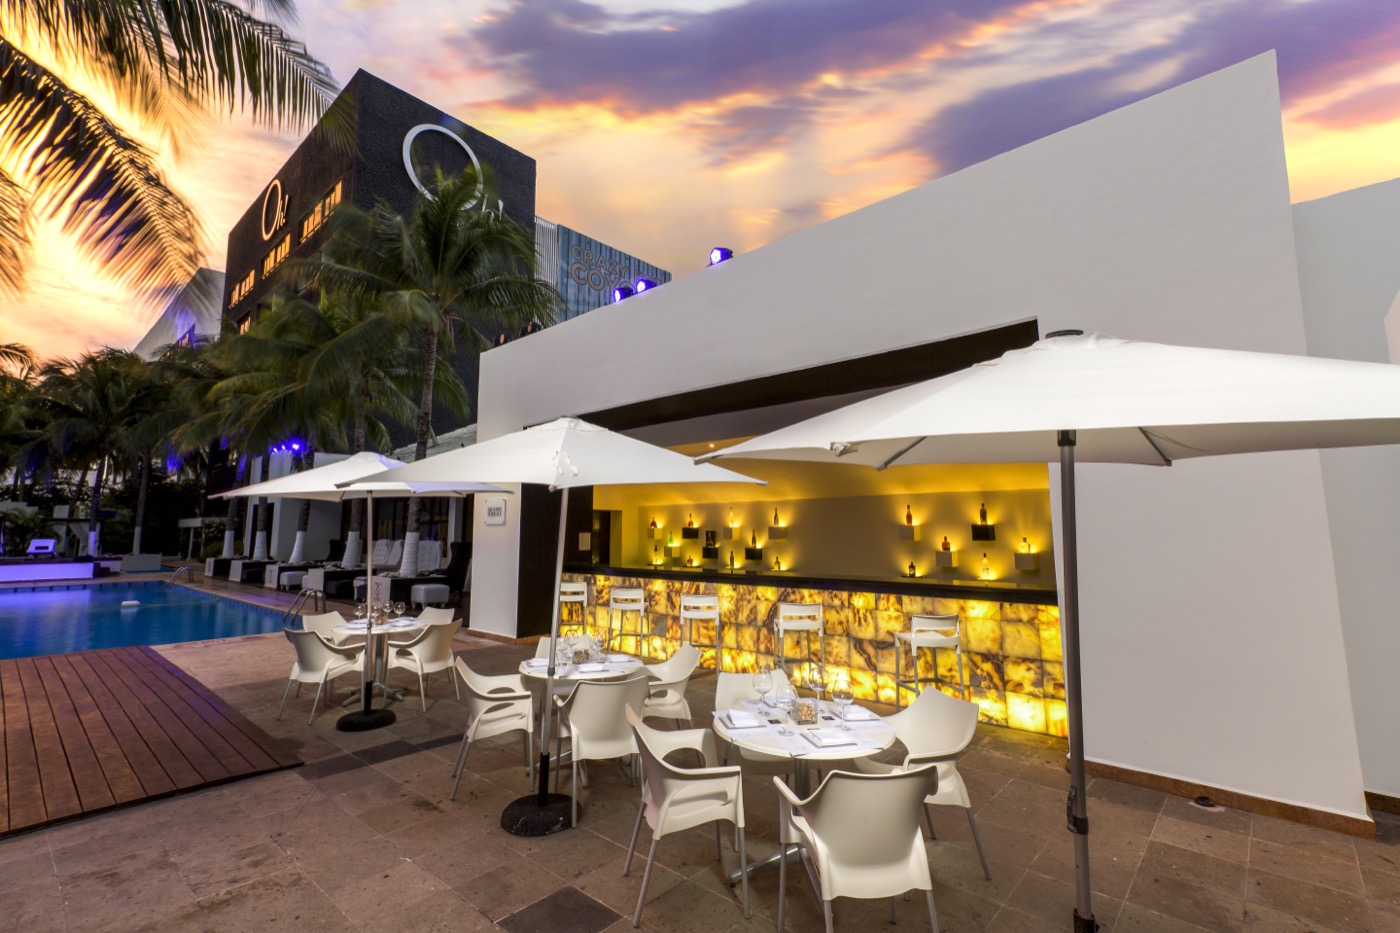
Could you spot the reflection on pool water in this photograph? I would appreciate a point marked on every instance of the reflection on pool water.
(78, 618)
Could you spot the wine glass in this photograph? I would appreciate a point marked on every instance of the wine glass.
(784, 696)
(359, 610)
(762, 684)
(842, 693)
(400, 607)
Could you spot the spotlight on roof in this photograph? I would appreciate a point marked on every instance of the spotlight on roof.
(644, 284)
(719, 254)
(622, 292)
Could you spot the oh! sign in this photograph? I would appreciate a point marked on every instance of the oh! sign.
(274, 209)
(495, 511)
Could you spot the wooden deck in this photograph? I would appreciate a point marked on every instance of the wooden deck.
(93, 730)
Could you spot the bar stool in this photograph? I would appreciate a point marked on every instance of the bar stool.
(576, 593)
(702, 609)
(928, 632)
(799, 617)
(620, 603)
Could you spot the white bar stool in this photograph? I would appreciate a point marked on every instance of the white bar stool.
(702, 609)
(799, 617)
(577, 594)
(621, 602)
(928, 632)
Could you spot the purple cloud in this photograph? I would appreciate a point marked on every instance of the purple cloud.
(1319, 46)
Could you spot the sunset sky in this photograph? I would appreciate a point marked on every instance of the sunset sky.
(667, 128)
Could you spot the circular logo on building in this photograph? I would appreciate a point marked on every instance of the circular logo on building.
(274, 209)
(409, 167)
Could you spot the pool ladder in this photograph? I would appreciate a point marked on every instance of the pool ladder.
(176, 575)
(317, 599)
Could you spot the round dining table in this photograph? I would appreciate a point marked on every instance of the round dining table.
(377, 655)
(778, 734)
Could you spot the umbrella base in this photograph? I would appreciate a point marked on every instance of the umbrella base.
(1084, 924)
(525, 816)
(366, 720)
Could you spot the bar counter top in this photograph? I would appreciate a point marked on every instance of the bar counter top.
(990, 590)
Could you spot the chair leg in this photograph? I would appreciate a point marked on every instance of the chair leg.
(632, 847)
(782, 883)
(422, 690)
(928, 821)
(744, 866)
(314, 701)
(456, 686)
(719, 846)
(932, 914)
(826, 913)
(573, 794)
(284, 696)
(646, 880)
(977, 838)
(892, 919)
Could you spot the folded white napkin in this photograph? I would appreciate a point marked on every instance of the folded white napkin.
(592, 668)
(619, 657)
(856, 714)
(826, 738)
(741, 719)
(537, 662)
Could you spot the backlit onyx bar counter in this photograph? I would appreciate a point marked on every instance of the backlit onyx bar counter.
(1010, 633)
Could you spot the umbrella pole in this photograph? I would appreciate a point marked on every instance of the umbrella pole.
(542, 813)
(1077, 815)
(368, 718)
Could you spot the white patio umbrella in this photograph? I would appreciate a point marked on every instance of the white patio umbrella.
(1091, 397)
(560, 454)
(345, 479)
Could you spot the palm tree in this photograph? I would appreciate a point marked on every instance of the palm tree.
(449, 273)
(17, 365)
(63, 157)
(88, 404)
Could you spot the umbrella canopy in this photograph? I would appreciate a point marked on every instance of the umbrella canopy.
(560, 454)
(344, 480)
(1093, 397)
(1129, 401)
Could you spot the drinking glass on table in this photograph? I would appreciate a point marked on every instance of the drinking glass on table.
(784, 698)
(762, 685)
(359, 610)
(842, 693)
(399, 607)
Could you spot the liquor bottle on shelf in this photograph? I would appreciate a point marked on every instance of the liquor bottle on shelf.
(776, 522)
(908, 516)
(753, 538)
(652, 526)
(689, 520)
(982, 513)
(946, 546)
(913, 571)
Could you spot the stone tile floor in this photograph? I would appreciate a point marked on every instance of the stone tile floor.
(364, 837)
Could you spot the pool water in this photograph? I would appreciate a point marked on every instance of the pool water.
(77, 618)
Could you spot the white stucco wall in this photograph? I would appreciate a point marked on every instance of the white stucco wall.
(1168, 220)
(1348, 246)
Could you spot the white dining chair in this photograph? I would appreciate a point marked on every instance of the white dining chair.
(593, 723)
(696, 609)
(675, 799)
(935, 729)
(732, 689)
(495, 705)
(318, 662)
(669, 681)
(324, 624)
(426, 653)
(803, 619)
(620, 603)
(859, 837)
(573, 593)
(430, 615)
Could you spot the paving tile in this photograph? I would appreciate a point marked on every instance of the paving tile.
(1128, 795)
(1166, 861)
(1338, 874)
(1345, 912)
(1010, 920)
(567, 910)
(1222, 819)
(32, 906)
(1259, 918)
(1381, 887)
(285, 901)
(608, 885)
(1135, 919)
(1181, 900)
(1208, 840)
(1054, 900)
(377, 901)
(1306, 839)
(224, 870)
(689, 908)
(515, 883)
(1113, 860)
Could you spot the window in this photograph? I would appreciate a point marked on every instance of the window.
(246, 323)
(241, 290)
(321, 212)
(275, 256)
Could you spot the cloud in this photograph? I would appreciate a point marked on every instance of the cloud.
(563, 52)
(1320, 46)
(1379, 104)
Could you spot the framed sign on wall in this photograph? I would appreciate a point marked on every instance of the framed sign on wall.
(495, 511)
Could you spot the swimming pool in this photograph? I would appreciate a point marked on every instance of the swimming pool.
(77, 618)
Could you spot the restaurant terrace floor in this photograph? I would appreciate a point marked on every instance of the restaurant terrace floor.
(362, 836)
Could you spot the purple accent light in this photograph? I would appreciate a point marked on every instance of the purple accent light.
(644, 284)
(622, 292)
(719, 254)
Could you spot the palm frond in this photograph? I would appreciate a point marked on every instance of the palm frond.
(16, 228)
(107, 187)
